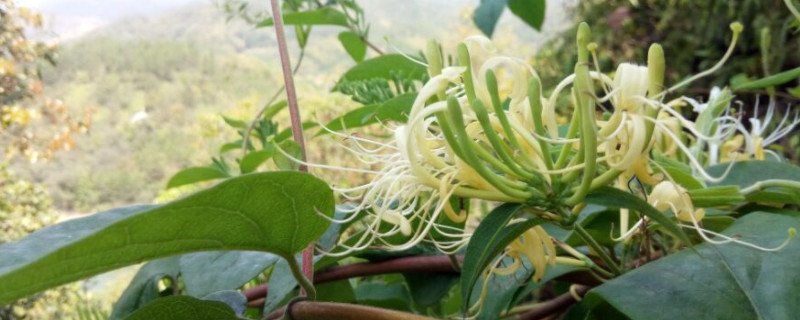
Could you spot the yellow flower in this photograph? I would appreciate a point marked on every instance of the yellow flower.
(668, 195)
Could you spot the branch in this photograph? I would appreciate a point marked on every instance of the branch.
(554, 306)
(424, 264)
(307, 310)
(372, 46)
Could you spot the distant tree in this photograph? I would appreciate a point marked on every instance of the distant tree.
(30, 123)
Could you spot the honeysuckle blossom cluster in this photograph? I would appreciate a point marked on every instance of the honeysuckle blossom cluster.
(466, 139)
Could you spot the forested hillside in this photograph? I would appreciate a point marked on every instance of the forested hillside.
(186, 67)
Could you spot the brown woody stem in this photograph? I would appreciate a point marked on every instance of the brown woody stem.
(554, 306)
(308, 310)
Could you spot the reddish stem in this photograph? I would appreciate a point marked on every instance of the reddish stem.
(425, 264)
(307, 310)
(294, 114)
(554, 306)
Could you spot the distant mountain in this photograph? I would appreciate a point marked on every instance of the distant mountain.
(178, 70)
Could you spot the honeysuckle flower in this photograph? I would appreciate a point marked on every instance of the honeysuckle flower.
(536, 246)
(669, 195)
(760, 135)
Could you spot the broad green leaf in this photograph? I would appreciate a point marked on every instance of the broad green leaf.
(353, 44)
(252, 160)
(428, 289)
(678, 171)
(746, 173)
(287, 133)
(336, 291)
(727, 281)
(207, 272)
(716, 196)
(184, 308)
(385, 66)
(530, 11)
(487, 14)
(195, 175)
(390, 296)
(489, 239)
(771, 81)
(529, 287)
(323, 16)
(144, 286)
(233, 299)
(615, 198)
(355, 118)
(276, 212)
(397, 108)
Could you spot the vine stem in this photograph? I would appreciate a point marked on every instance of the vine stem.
(302, 279)
(554, 306)
(586, 237)
(307, 310)
(297, 125)
(421, 264)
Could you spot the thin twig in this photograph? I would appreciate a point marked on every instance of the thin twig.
(297, 124)
(372, 46)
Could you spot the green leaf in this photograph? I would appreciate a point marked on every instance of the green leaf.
(487, 14)
(615, 198)
(287, 133)
(355, 118)
(428, 289)
(276, 212)
(235, 123)
(771, 81)
(353, 44)
(323, 16)
(184, 308)
(207, 272)
(195, 175)
(716, 196)
(233, 299)
(530, 11)
(144, 286)
(390, 296)
(746, 173)
(489, 239)
(679, 172)
(397, 108)
(252, 160)
(231, 146)
(715, 281)
(384, 66)
(336, 291)
(283, 162)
